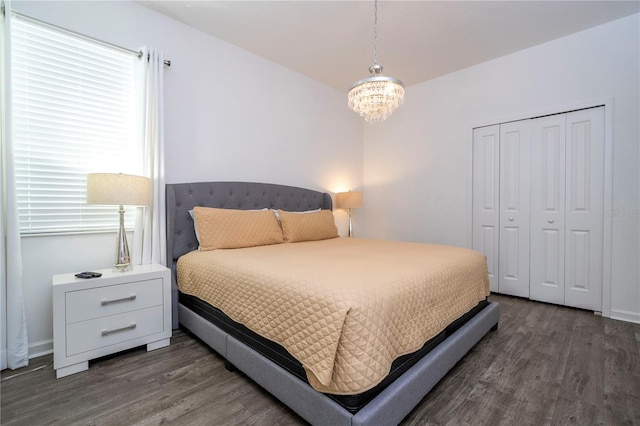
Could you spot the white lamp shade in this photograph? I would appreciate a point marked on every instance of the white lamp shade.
(349, 200)
(117, 189)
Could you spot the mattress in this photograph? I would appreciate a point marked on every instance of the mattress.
(344, 308)
(280, 356)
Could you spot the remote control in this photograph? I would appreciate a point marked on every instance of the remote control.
(88, 274)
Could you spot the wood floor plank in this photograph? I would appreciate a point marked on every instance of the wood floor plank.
(545, 365)
(622, 373)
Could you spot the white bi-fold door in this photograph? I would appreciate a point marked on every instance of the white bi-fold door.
(501, 203)
(567, 208)
(538, 194)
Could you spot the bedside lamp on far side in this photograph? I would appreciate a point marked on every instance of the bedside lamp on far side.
(117, 189)
(349, 200)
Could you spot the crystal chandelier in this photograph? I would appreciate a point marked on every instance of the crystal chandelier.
(377, 96)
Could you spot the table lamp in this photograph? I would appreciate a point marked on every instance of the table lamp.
(117, 189)
(349, 200)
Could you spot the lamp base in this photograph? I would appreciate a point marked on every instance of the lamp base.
(122, 267)
(123, 259)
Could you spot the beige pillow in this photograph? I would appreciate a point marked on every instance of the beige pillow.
(308, 226)
(228, 228)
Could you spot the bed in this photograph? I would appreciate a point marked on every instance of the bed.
(382, 400)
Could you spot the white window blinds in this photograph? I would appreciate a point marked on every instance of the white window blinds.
(74, 111)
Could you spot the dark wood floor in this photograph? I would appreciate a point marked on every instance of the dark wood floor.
(546, 365)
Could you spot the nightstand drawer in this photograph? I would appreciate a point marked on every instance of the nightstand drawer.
(99, 302)
(101, 332)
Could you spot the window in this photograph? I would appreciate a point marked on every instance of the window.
(74, 112)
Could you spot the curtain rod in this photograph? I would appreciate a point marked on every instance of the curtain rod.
(137, 53)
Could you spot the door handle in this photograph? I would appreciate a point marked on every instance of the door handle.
(510, 219)
(551, 221)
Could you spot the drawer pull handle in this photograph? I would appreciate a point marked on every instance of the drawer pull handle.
(129, 327)
(124, 299)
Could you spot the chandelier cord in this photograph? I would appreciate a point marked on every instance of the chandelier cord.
(375, 32)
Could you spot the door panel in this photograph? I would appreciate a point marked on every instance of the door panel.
(514, 208)
(511, 265)
(488, 247)
(552, 275)
(579, 247)
(548, 208)
(584, 208)
(486, 196)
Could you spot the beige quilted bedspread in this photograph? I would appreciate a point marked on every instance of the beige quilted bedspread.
(344, 307)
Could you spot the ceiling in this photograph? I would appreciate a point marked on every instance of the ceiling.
(332, 41)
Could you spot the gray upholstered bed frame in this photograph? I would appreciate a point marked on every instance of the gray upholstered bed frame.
(387, 408)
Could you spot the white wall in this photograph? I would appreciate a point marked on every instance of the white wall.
(229, 115)
(417, 164)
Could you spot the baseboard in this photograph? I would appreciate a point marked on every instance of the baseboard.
(43, 347)
(625, 316)
(3, 358)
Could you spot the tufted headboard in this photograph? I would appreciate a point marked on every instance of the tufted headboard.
(182, 197)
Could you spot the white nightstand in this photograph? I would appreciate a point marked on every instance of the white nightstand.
(100, 316)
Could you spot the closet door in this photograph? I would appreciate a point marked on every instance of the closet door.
(515, 160)
(486, 197)
(548, 209)
(584, 208)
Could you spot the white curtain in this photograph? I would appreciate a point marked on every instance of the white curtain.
(15, 345)
(150, 234)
